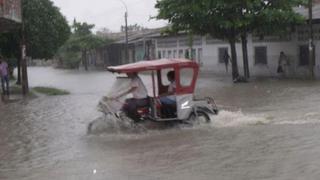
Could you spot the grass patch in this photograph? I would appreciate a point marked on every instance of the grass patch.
(50, 91)
(17, 90)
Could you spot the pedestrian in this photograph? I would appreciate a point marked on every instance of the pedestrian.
(226, 59)
(283, 64)
(4, 73)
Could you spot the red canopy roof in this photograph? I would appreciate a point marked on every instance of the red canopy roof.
(152, 65)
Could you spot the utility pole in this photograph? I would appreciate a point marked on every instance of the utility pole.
(126, 49)
(311, 45)
(126, 31)
(25, 84)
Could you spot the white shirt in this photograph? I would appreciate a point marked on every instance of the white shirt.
(141, 91)
(171, 89)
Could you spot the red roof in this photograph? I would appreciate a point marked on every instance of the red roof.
(152, 65)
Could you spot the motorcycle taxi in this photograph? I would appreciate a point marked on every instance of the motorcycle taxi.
(186, 109)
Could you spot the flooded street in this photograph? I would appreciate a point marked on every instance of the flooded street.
(267, 129)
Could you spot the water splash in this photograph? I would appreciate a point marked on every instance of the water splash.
(307, 118)
(233, 119)
(110, 124)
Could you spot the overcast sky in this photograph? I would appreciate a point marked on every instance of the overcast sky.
(110, 13)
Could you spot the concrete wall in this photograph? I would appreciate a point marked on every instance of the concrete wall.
(207, 52)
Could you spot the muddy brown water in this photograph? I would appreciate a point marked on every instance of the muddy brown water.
(267, 129)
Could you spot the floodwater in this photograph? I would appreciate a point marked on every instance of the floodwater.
(267, 129)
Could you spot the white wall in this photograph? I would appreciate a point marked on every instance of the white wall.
(291, 47)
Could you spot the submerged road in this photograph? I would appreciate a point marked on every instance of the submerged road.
(268, 129)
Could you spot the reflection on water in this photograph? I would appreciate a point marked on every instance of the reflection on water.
(268, 129)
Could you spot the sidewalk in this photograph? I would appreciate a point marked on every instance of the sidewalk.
(15, 94)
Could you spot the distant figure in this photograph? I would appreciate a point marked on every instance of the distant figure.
(4, 73)
(283, 64)
(226, 59)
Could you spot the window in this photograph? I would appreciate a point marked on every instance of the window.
(163, 54)
(200, 56)
(260, 55)
(222, 52)
(169, 54)
(193, 54)
(180, 53)
(159, 54)
(174, 53)
(164, 78)
(304, 55)
(186, 54)
(186, 76)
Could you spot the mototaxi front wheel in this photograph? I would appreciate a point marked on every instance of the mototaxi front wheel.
(199, 117)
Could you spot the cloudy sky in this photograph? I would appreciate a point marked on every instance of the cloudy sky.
(110, 13)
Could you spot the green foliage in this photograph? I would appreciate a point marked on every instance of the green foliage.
(225, 19)
(10, 48)
(228, 19)
(9, 44)
(46, 29)
(82, 40)
(50, 91)
(69, 58)
(82, 29)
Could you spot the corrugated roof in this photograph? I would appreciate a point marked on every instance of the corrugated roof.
(152, 65)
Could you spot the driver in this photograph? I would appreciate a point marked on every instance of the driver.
(139, 93)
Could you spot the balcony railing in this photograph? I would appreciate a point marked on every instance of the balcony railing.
(11, 10)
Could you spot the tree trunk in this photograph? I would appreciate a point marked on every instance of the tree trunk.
(235, 71)
(85, 62)
(25, 83)
(245, 56)
(19, 71)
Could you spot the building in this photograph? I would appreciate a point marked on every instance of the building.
(10, 15)
(141, 46)
(263, 52)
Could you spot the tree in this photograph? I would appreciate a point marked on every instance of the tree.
(82, 29)
(214, 17)
(10, 48)
(80, 42)
(267, 18)
(46, 29)
(223, 19)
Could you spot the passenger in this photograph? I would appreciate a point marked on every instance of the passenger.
(139, 93)
(169, 98)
